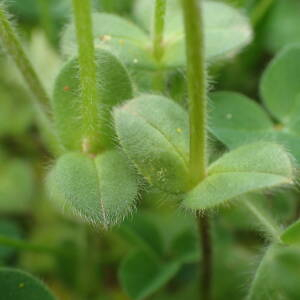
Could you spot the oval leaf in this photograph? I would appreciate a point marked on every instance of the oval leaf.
(153, 132)
(101, 189)
(18, 285)
(280, 83)
(249, 168)
(114, 87)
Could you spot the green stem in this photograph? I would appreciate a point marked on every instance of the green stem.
(260, 11)
(193, 20)
(158, 28)
(195, 52)
(272, 230)
(88, 76)
(19, 244)
(16, 51)
(207, 255)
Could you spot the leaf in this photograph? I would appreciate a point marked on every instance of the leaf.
(247, 169)
(226, 30)
(126, 40)
(153, 131)
(292, 234)
(141, 275)
(18, 285)
(143, 233)
(16, 173)
(282, 25)
(236, 120)
(280, 85)
(114, 87)
(8, 229)
(100, 190)
(185, 247)
(277, 276)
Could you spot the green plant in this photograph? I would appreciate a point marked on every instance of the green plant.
(113, 140)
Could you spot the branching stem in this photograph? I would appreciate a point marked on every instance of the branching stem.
(88, 76)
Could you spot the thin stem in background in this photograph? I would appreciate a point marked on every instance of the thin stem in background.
(14, 47)
(195, 52)
(23, 245)
(158, 28)
(88, 76)
(207, 253)
(260, 10)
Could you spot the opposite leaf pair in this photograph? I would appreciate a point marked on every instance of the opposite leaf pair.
(153, 132)
(101, 187)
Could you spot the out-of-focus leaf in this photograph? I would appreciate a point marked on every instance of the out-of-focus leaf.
(280, 88)
(141, 275)
(8, 229)
(282, 25)
(277, 276)
(18, 285)
(292, 234)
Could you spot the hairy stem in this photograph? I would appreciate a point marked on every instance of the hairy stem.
(195, 52)
(158, 28)
(88, 76)
(270, 227)
(207, 252)
(260, 11)
(197, 88)
(14, 47)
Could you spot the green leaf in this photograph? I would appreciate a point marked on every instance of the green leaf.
(249, 168)
(143, 233)
(120, 36)
(18, 285)
(100, 190)
(8, 229)
(282, 25)
(277, 276)
(280, 85)
(114, 87)
(153, 131)
(226, 30)
(292, 234)
(141, 275)
(237, 120)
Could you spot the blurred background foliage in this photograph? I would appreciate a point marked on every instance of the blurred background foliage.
(81, 262)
